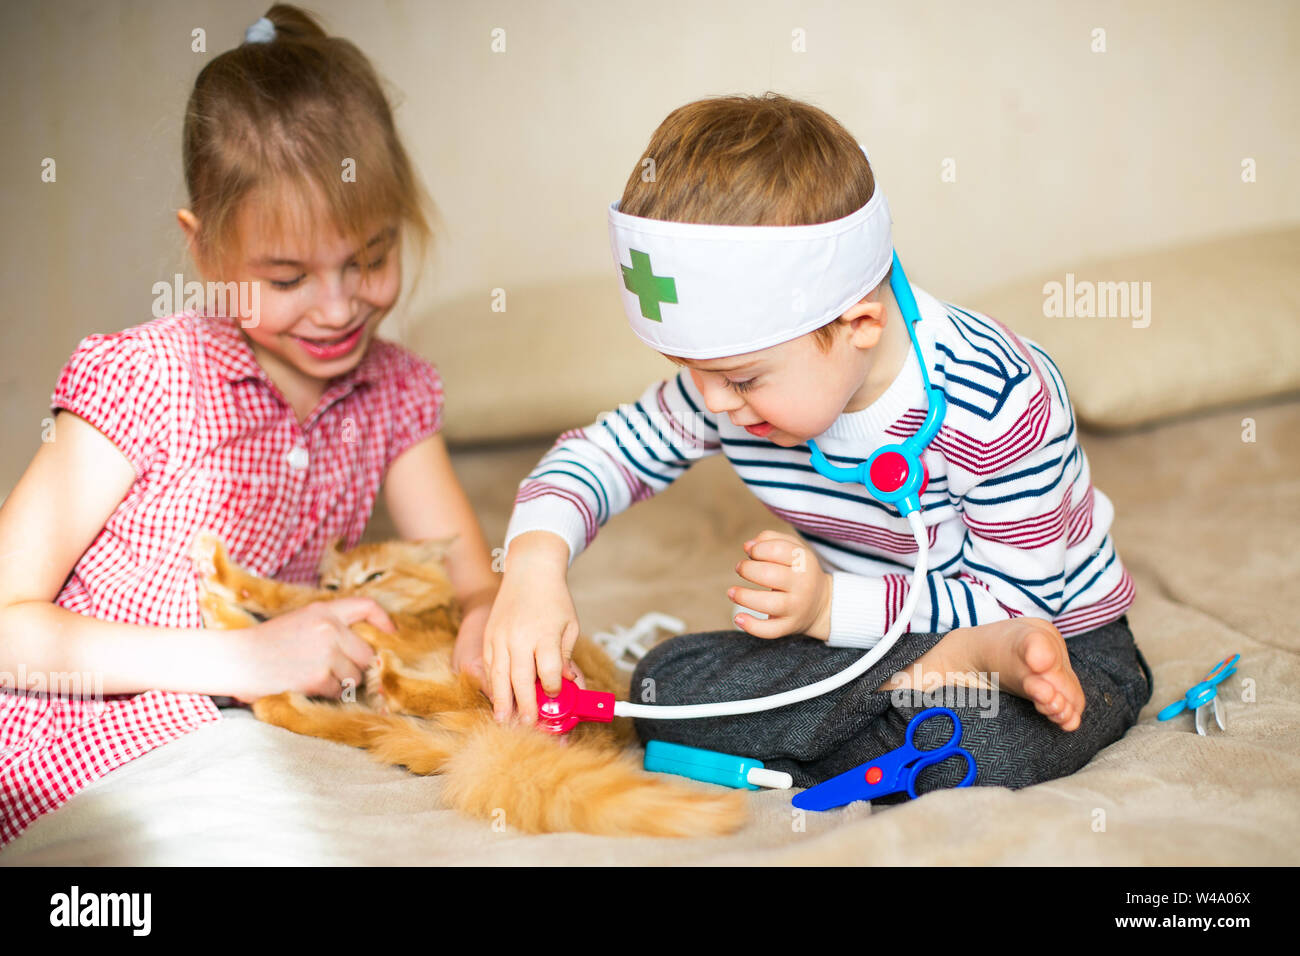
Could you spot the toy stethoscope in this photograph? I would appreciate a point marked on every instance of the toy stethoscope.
(895, 474)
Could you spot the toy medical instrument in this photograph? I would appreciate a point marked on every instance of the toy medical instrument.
(891, 772)
(713, 767)
(635, 641)
(1204, 696)
(895, 475)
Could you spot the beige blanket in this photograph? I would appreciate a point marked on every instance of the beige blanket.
(1208, 525)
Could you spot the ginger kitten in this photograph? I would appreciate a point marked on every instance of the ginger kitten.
(415, 712)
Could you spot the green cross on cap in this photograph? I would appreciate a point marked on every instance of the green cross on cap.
(649, 288)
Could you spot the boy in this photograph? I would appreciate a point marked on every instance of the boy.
(789, 334)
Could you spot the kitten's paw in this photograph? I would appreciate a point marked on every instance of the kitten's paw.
(203, 552)
(218, 603)
(375, 698)
(389, 682)
(280, 709)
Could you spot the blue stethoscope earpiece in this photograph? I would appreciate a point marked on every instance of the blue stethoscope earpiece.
(896, 474)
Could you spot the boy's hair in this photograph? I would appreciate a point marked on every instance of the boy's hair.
(751, 161)
(280, 119)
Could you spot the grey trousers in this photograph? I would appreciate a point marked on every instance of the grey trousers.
(1012, 743)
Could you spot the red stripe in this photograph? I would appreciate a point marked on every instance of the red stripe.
(881, 539)
(1027, 533)
(538, 489)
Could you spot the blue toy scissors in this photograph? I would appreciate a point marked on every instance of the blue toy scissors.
(891, 772)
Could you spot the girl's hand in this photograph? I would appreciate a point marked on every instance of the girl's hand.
(467, 656)
(312, 650)
(800, 599)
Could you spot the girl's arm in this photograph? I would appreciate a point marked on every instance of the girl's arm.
(57, 509)
(425, 500)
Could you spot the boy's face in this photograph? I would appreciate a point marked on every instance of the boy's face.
(792, 392)
(316, 314)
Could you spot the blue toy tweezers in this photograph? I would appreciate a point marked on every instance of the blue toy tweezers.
(1204, 696)
(891, 772)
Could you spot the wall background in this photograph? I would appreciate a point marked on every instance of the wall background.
(1062, 154)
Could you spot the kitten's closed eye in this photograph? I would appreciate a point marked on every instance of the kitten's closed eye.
(333, 585)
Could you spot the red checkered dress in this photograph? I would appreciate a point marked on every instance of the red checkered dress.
(214, 446)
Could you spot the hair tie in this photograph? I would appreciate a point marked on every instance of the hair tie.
(261, 31)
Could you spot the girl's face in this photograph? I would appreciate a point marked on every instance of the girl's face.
(317, 315)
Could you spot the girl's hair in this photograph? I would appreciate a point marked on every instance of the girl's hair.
(283, 120)
(751, 161)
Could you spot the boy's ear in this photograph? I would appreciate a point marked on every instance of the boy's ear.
(866, 321)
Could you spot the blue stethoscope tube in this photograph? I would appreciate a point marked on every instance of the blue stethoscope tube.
(895, 475)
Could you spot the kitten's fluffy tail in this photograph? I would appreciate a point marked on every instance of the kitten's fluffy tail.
(519, 775)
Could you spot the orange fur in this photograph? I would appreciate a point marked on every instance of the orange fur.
(416, 712)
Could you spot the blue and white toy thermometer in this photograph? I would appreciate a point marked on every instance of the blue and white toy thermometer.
(713, 767)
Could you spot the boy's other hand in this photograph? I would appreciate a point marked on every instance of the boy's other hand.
(799, 601)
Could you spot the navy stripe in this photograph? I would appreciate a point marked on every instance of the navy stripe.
(827, 492)
(934, 604)
(1093, 580)
(1020, 496)
(600, 487)
(841, 547)
(1026, 472)
(676, 452)
(569, 474)
(1016, 583)
(991, 369)
(970, 600)
(681, 389)
(655, 475)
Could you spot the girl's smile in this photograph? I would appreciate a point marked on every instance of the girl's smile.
(328, 349)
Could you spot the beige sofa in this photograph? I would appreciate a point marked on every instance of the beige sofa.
(1208, 523)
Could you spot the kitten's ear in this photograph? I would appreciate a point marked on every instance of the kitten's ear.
(433, 549)
(329, 557)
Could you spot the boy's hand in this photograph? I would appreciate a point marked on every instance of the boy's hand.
(532, 628)
(800, 599)
(467, 656)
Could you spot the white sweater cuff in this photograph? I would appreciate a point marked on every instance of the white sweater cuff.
(548, 513)
(857, 610)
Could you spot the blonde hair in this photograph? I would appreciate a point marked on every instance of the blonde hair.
(752, 161)
(278, 119)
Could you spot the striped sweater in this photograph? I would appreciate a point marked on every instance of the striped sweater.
(1015, 525)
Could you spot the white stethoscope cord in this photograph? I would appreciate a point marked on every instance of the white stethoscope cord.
(725, 708)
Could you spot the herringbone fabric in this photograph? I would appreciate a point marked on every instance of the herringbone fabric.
(1013, 745)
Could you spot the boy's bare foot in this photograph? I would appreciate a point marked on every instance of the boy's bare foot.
(1027, 655)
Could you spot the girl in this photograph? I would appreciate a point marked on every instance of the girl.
(272, 428)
